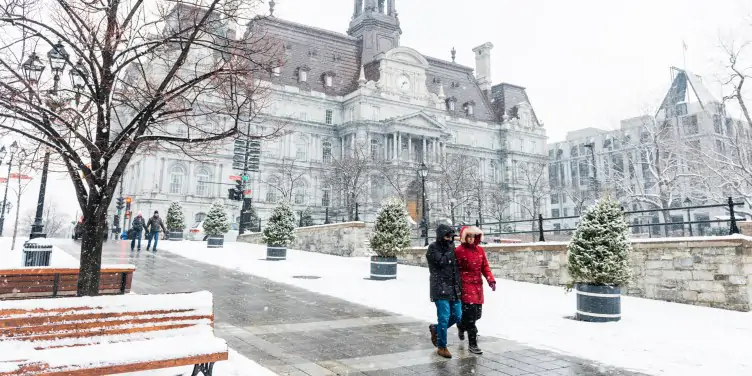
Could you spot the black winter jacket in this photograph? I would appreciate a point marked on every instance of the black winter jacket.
(442, 265)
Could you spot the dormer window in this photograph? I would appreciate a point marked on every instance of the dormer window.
(329, 79)
(451, 103)
(470, 108)
(303, 73)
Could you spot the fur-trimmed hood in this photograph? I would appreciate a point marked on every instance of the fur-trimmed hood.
(471, 230)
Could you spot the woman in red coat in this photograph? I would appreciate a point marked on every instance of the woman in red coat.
(473, 265)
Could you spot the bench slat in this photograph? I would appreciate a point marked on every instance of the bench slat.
(78, 326)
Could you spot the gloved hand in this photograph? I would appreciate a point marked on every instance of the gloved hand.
(492, 285)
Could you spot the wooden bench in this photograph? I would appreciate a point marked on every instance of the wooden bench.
(109, 335)
(47, 282)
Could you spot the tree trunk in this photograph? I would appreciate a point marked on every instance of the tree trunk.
(91, 251)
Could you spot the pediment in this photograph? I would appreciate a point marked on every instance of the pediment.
(419, 120)
(407, 55)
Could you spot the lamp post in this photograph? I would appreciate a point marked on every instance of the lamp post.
(423, 172)
(32, 70)
(687, 203)
(3, 152)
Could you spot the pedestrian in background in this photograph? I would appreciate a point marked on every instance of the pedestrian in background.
(445, 287)
(137, 226)
(153, 226)
(473, 266)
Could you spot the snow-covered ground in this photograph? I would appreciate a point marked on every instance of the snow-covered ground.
(14, 259)
(654, 337)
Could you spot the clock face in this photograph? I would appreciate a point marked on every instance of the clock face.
(403, 82)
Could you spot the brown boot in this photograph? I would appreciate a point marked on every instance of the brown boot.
(434, 336)
(444, 352)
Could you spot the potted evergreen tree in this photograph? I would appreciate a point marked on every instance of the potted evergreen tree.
(175, 221)
(391, 236)
(599, 265)
(216, 225)
(279, 232)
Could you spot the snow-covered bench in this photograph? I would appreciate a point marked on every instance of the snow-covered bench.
(46, 282)
(109, 335)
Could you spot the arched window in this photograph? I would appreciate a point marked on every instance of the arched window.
(199, 217)
(374, 149)
(326, 195)
(327, 152)
(300, 193)
(177, 176)
(271, 190)
(203, 177)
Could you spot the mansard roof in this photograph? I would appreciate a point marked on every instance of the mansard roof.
(459, 82)
(507, 97)
(687, 87)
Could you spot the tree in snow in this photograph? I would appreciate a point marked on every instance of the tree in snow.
(391, 235)
(306, 218)
(280, 229)
(149, 75)
(217, 223)
(599, 249)
(349, 176)
(175, 218)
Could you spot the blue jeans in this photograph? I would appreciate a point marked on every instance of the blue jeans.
(136, 235)
(152, 235)
(449, 313)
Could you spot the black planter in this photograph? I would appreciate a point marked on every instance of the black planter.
(383, 268)
(598, 303)
(176, 235)
(275, 253)
(215, 241)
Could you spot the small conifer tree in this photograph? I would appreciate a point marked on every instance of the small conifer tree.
(216, 222)
(391, 234)
(599, 249)
(280, 229)
(175, 218)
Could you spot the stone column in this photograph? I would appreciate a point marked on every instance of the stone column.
(424, 149)
(409, 148)
(342, 147)
(399, 146)
(352, 143)
(385, 139)
(394, 146)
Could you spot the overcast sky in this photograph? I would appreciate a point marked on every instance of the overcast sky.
(585, 63)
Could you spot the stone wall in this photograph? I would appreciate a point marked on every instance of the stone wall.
(714, 272)
(349, 239)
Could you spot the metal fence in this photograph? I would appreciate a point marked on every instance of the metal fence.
(670, 228)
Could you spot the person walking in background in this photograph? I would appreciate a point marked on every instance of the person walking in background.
(153, 226)
(473, 266)
(445, 287)
(137, 226)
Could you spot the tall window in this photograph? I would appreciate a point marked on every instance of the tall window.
(326, 196)
(177, 176)
(300, 193)
(301, 149)
(271, 190)
(327, 152)
(374, 149)
(329, 116)
(202, 182)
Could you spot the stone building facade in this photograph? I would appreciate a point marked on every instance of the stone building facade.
(339, 92)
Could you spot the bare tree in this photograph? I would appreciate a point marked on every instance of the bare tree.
(146, 75)
(533, 178)
(455, 188)
(54, 222)
(499, 204)
(349, 176)
(399, 175)
(286, 178)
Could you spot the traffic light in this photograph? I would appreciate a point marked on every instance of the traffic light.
(128, 204)
(120, 203)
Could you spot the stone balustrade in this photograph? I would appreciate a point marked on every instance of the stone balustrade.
(707, 271)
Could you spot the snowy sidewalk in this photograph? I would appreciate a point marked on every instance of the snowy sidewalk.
(653, 337)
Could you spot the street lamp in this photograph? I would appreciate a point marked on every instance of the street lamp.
(687, 203)
(423, 172)
(3, 152)
(32, 69)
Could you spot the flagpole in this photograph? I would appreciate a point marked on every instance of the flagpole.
(684, 54)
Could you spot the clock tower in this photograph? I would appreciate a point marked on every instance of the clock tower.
(376, 24)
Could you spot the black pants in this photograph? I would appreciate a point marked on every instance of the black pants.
(470, 314)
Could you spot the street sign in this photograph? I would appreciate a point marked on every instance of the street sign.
(235, 178)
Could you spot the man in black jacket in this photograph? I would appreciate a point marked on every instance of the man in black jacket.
(446, 290)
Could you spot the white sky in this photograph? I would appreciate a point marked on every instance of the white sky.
(585, 63)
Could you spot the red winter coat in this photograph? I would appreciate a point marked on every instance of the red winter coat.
(472, 262)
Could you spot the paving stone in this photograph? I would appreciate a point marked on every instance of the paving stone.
(329, 336)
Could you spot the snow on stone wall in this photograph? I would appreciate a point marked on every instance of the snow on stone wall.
(347, 239)
(706, 271)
